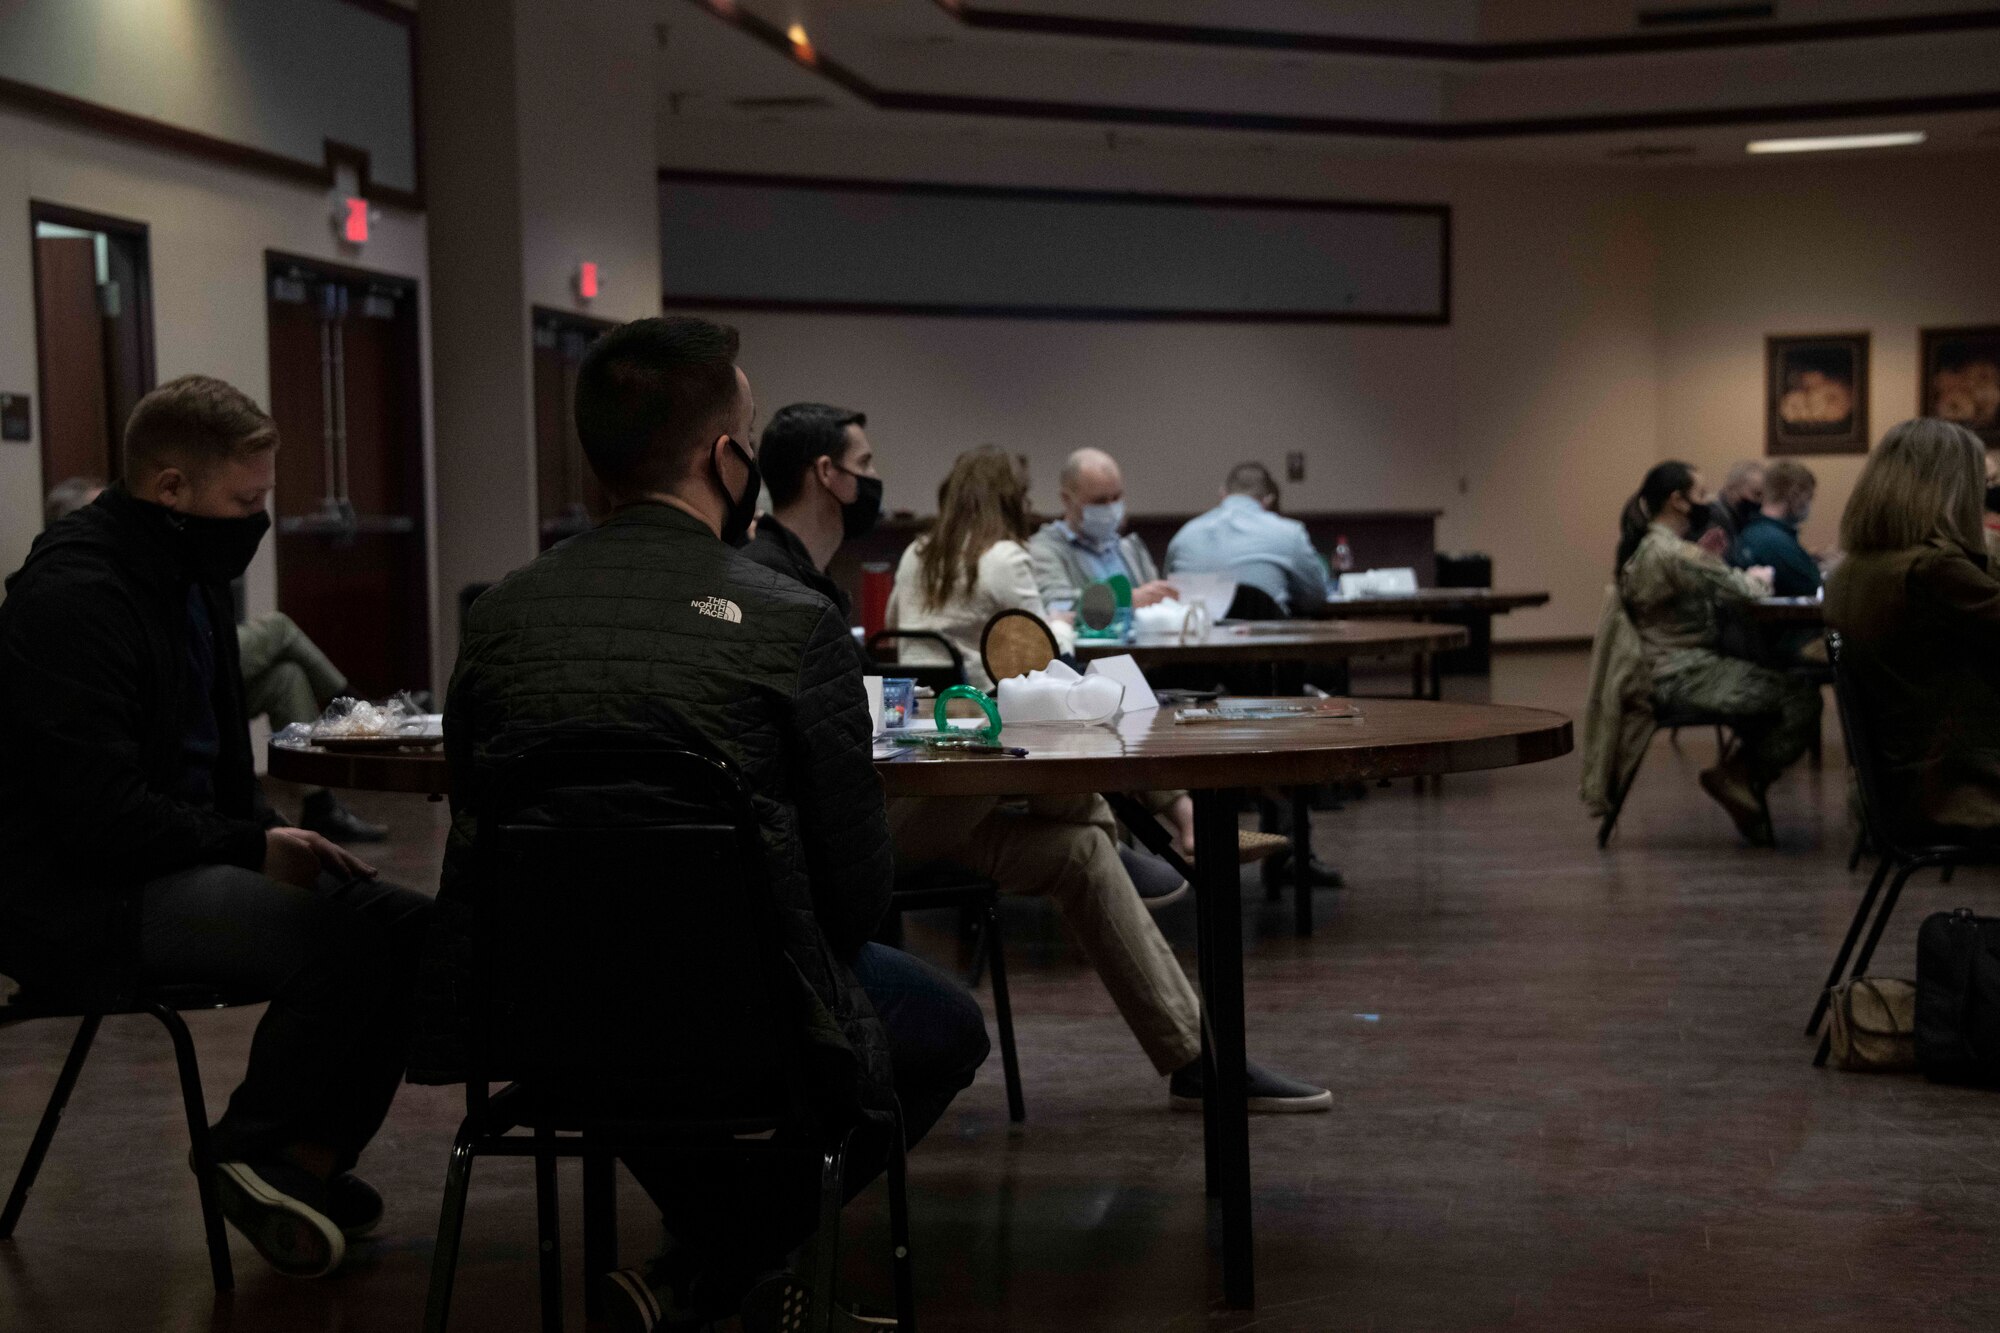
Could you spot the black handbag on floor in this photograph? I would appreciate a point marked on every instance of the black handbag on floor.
(1958, 997)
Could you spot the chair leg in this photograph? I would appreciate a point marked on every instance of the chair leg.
(1847, 946)
(1610, 821)
(1861, 959)
(899, 1229)
(1860, 849)
(977, 921)
(1003, 1015)
(826, 1243)
(45, 1132)
(548, 1229)
(198, 1144)
(451, 1225)
(1302, 890)
(600, 1227)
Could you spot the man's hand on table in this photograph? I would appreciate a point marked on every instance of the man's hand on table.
(296, 857)
(1146, 594)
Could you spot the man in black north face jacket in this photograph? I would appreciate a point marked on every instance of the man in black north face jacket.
(652, 622)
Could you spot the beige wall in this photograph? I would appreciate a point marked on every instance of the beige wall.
(1889, 245)
(209, 228)
(1603, 319)
(539, 146)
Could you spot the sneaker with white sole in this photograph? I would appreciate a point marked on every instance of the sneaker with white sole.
(281, 1209)
(1267, 1092)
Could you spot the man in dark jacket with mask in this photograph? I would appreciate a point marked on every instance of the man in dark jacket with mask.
(654, 623)
(820, 470)
(131, 840)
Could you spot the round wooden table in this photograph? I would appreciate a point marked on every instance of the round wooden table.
(1393, 738)
(1436, 601)
(1282, 641)
(1269, 643)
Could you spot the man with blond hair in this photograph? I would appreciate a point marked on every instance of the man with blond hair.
(134, 848)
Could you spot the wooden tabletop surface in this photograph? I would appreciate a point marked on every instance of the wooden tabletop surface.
(1392, 738)
(1283, 641)
(1429, 601)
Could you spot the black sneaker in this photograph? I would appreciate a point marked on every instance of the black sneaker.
(353, 1204)
(281, 1210)
(326, 816)
(629, 1303)
(1278, 872)
(779, 1302)
(1157, 882)
(1267, 1091)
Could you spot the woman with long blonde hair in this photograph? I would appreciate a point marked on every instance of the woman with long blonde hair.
(1918, 610)
(973, 563)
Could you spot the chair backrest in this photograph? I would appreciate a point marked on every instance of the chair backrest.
(929, 676)
(1253, 603)
(1857, 728)
(627, 952)
(1014, 643)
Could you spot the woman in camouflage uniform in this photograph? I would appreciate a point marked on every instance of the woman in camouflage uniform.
(1673, 590)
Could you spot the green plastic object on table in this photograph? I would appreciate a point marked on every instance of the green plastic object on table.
(1119, 620)
(948, 737)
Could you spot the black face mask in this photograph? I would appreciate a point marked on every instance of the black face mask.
(219, 549)
(1699, 519)
(743, 508)
(1745, 510)
(859, 516)
(1993, 499)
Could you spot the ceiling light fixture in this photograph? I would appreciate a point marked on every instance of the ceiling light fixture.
(1827, 142)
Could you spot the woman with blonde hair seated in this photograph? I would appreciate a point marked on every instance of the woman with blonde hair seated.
(973, 564)
(1918, 610)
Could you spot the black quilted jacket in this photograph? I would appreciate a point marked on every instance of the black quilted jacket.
(93, 668)
(649, 622)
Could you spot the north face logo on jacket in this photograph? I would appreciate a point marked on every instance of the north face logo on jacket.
(719, 607)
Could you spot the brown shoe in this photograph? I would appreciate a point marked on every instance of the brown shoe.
(1731, 790)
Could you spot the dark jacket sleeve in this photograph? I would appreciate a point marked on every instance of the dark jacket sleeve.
(1964, 598)
(843, 822)
(75, 699)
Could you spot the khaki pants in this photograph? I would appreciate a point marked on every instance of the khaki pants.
(1066, 848)
(285, 675)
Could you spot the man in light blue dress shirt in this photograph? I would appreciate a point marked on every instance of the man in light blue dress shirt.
(1247, 539)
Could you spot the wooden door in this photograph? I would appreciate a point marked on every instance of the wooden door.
(347, 396)
(93, 337)
(568, 496)
(69, 335)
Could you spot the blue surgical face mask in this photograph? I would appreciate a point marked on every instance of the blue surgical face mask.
(1101, 522)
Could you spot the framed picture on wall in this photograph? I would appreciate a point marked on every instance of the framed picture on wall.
(1960, 379)
(1816, 394)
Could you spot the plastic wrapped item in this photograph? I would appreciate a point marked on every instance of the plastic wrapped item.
(1059, 694)
(1189, 620)
(349, 722)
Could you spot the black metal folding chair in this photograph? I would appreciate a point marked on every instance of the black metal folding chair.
(1728, 740)
(1903, 852)
(930, 677)
(629, 980)
(164, 1004)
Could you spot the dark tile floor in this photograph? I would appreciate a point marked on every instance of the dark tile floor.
(1571, 1093)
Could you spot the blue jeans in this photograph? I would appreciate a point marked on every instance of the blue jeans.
(732, 1219)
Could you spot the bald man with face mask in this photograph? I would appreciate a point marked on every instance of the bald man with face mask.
(1087, 544)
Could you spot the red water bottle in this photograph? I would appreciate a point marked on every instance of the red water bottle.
(878, 580)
